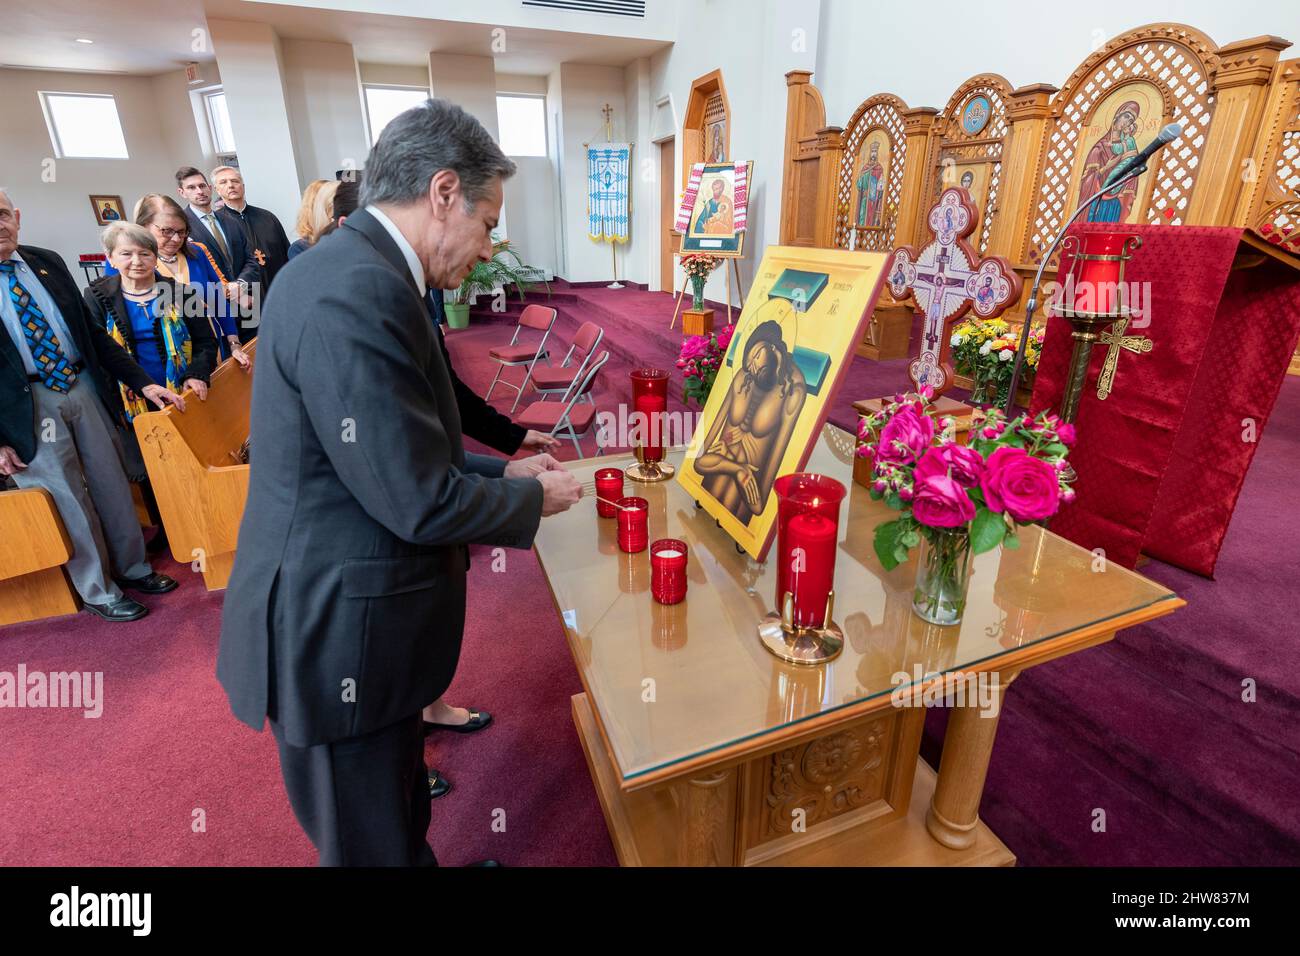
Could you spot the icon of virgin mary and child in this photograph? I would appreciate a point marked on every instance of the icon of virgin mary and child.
(1115, 146)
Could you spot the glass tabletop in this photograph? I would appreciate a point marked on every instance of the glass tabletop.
(671, 683)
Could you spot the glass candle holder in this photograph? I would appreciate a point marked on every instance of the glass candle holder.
(633, 514)
(808, 517)
(650, 400)
(668, 570)
(609, 487)
(1096, 270)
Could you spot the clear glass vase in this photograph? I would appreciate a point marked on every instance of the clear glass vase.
(942, 575)
(979, 393)
(697, 292)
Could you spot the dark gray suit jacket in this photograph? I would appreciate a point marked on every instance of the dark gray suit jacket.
(347, 600)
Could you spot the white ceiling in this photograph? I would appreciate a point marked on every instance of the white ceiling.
(156, 36)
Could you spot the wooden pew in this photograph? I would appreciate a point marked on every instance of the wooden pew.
(193, 464)
(36, 545)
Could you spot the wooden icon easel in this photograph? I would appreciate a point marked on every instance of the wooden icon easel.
(686, 281)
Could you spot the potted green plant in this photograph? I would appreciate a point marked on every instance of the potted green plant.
(504, 269)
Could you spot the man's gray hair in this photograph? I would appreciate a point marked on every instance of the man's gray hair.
(426, 139)
(120, 232)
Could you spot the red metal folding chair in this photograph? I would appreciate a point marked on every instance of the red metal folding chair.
(566, 418)
(558, 379)
(536, 317)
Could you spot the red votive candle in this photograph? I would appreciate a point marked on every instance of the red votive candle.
(808, 516)
(650, 398)
(632, 526)
(668, 570)
(1098, 270)
(609, 486)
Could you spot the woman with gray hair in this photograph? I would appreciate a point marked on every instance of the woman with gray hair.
(141, 311)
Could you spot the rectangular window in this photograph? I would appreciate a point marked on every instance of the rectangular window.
(223, 135)
(84, 125)
(522, 124)
(385, 103)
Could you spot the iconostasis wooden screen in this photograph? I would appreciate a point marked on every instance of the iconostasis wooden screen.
(1236, 164)
(1120, 98)
(970, 133)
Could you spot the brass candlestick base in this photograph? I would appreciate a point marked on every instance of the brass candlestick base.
(801, 645)
(648, 471)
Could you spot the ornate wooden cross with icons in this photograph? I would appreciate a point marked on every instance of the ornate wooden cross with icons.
(946, 281)
(1117, 340)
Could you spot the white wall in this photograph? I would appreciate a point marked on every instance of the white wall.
(1000, 36)
(54, 195)
(325, 112)
(765, 40)
(250, 58)
(584, 91)
(186, 135)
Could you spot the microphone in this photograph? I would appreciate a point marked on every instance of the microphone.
(1163, 139)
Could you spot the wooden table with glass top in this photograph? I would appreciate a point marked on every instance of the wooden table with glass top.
(705, 749)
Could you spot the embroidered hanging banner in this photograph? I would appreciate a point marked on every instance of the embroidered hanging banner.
(608, 212)
(688, 198)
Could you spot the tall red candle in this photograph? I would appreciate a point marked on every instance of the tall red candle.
(1098, 270)
(650, 399)
(810, 566)
(805, 551)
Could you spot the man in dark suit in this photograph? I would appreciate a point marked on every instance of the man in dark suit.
(345, 608)
(58, 375)
(231, 247)
(260, 226)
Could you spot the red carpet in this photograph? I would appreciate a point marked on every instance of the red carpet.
(1151, 728)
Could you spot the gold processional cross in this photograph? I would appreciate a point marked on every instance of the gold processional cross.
(1116, 339)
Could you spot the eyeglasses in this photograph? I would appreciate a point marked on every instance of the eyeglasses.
(168, 233)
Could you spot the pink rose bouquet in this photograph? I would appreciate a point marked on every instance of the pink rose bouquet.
(1009, 474)
(700, 359)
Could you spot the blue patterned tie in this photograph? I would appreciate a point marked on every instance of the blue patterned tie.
(51, 363)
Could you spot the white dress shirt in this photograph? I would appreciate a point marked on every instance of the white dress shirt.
(43, 301)
(215, 223)
(408, 251)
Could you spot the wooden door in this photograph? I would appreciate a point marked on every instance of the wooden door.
(667, 215)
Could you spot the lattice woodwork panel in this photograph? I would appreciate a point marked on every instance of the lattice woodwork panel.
(1279, 222)
(870, 115)
(1178, 72)
(987, 144)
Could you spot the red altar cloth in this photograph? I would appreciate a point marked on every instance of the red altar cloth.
(1162, 459)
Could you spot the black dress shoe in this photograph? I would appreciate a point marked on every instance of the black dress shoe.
(478, 719)
(119, 611)
(439, 786)
(153, 583)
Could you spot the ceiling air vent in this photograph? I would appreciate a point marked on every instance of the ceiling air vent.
(614, 8)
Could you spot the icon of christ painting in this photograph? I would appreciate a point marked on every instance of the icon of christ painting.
(749, 436)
